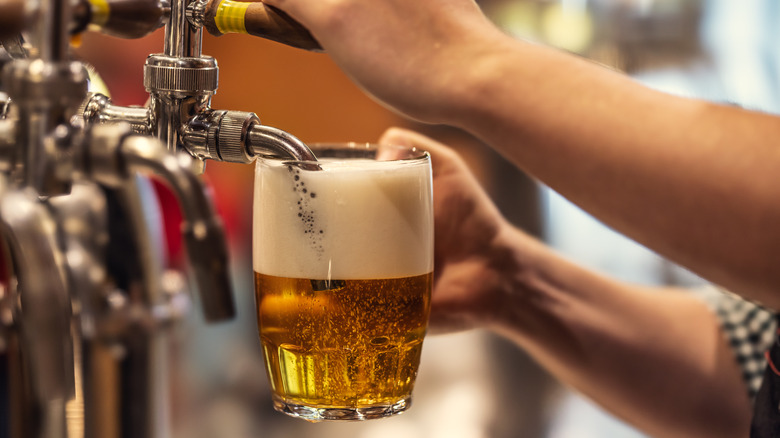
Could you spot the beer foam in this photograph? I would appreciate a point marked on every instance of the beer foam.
(354, 219)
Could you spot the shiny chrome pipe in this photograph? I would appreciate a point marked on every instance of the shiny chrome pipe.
(182, 40)
(98, 109)
(29, 229)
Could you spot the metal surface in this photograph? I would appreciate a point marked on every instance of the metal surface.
(44, 93)
(266, 141)
(181, 39)
(137, 359)
(29, 230)
(202, 229)
(196, 12)
(98, 109)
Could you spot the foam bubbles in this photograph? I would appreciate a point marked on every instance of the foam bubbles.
(355, 219)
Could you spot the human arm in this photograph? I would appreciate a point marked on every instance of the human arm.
(692, 180)
(655, 358)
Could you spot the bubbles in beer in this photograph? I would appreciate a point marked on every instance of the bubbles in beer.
(306, 212)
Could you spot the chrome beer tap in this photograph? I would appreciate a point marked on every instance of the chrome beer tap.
(42, 373)
(86, 346)
(181, 82)
(42, 89)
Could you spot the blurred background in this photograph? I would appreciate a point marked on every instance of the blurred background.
(470, 385)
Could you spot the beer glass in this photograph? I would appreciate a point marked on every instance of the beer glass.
(343, 262)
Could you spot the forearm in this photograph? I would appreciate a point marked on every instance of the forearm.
(693, 181)
(656, 359)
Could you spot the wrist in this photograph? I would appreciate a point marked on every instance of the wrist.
(514, 263)
(534, 287)
(473, 89)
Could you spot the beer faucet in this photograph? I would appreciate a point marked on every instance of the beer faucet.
(94, 300)
(181, 82)
(43, 319)
(116, 275)
(88, 329)
(111, 163)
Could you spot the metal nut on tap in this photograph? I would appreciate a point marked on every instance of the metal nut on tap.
(228, 138)
(37, 83)
(181, 75)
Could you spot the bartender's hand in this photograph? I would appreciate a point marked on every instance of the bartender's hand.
(410, 54)
(468, 281)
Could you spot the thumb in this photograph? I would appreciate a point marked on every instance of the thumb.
(404, 137)
(442, 157)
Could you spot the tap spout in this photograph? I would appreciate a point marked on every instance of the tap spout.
(202, 231)
(267, 141)
(29, 231)
(239, 137)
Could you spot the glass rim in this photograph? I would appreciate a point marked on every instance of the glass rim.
(418, 155)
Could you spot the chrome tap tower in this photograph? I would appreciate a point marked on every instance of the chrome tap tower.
(85, 303)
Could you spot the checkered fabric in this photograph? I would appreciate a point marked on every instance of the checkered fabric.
(749, 329)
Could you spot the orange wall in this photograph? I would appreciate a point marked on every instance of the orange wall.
(301, 92)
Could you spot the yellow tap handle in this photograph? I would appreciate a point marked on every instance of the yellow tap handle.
(258, 19)
(231, 16)
(101, 11)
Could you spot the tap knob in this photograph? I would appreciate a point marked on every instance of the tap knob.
(227, 16)
(121, 18)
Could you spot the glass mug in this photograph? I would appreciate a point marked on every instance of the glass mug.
(343, 262)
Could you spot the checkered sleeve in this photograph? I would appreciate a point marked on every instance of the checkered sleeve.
(749, 329)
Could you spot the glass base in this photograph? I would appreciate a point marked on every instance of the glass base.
(313, 414)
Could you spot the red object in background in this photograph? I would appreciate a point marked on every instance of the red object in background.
(171, 226)
(227, 206)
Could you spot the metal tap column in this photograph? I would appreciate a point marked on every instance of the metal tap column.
(45, 87)
(180, 81)
(28, 229)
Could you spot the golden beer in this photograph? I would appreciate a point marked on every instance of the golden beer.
(343, 261)
(354, 346)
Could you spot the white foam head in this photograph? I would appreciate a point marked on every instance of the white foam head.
(355, 219)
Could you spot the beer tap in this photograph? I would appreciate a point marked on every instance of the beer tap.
(181, 82)
(117, 154)
(45, 89)
(125, 305)
(95, 352)
(75, 211)
(43, 318)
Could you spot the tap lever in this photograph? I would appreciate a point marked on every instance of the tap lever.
(209, 263)
(121, 18)
(227, 16)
